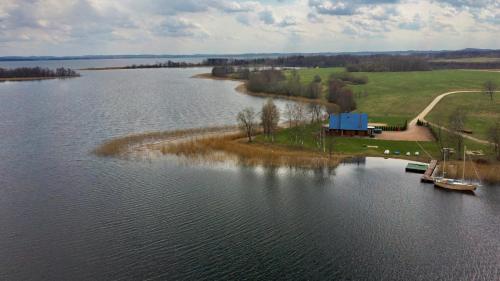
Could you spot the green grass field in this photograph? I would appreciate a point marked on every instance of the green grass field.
(393, 97)
(481, 112)
(351, 146)
(364, 146)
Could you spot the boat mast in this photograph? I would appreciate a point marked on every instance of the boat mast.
(463, 168)
(444, 160)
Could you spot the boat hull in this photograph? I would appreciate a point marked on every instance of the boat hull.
(455, 185)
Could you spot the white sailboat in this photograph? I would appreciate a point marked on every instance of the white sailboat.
(455, 184)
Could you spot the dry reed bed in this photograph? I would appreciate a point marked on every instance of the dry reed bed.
(123, 145)
(488, 173)
(235, 147)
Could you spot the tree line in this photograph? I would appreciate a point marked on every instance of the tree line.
(167, 64)
(274, 81)
(34, 72)
(409, 61)
(464, 65)
(390, 64)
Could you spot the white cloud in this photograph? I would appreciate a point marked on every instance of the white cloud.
(38, 27)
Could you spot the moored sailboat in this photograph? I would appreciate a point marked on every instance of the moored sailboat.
(455, 184)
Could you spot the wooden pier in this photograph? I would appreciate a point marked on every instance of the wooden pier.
(428, 175)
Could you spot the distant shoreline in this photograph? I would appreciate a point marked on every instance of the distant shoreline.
(26, 78)
(137, 67)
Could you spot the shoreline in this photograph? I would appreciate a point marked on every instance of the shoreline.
(131, 68)
(214, 144)
(227, 144)
(242, 88)
(27, 78)
(201, 142)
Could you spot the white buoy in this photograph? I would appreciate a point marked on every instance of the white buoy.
(417, 153)
(387, 152)
(408, 153)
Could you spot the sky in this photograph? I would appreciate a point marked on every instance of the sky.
(92, 27)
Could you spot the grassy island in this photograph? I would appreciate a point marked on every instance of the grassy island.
(35, 73)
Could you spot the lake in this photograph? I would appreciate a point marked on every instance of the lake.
(66, 214)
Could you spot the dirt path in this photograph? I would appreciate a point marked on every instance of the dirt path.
(412, 133)
(436, 100)
(429, 108)
(419, 133)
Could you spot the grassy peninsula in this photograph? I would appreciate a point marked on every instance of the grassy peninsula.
(392, 99)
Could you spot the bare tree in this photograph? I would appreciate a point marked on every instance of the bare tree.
(457, 125)
(289, 114)
(299, 112)
(494, 137)
(315, 110)
(270, 116)
(299, 115)
(246, 121)
(489, 88)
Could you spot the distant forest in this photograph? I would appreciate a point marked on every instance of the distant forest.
(372, 63)
(37, 72)
(416, 61)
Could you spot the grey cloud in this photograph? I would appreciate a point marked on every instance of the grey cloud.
(267, 17)
(243, 19)
(485, 11)
(314, 18)
(176, 28)
(383, 13)
(415, 24)
(287, 21)
(235, 7)
(345, 7)
(196, 6)
(470, 3)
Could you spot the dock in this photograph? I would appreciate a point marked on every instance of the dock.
(416, 168)
(428, 175)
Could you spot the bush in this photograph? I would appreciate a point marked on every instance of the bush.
(349, 78)
(268, 81)
(222, 71)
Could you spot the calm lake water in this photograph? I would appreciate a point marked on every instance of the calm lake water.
(66, 214)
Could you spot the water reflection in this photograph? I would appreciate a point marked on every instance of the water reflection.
(69, 214)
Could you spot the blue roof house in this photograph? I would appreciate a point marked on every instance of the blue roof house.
(349, 124)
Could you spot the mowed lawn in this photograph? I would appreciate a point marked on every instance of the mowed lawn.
(351, 146)
(366, 146)
(393, 97)
(481, 112)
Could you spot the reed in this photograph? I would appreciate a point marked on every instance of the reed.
(122, 145)
(488, 172)
(234, 147)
